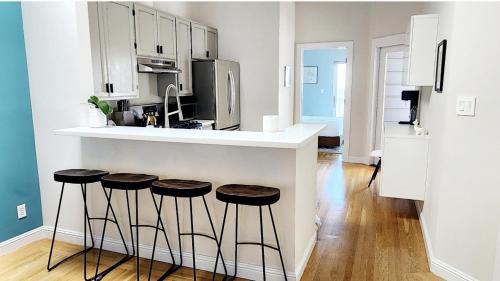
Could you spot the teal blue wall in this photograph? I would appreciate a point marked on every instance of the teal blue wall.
(315, 102)
(18, 170)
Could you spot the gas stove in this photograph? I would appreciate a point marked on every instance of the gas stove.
(186, 125)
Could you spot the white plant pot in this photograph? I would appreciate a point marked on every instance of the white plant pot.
(96, 118)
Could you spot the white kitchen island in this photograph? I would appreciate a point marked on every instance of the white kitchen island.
(286, 160)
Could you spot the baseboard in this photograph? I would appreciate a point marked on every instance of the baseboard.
(247, 271)
(303, 262)
(436, 265)
(358, 159)
(19, 241)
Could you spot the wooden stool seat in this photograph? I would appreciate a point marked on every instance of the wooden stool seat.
(253, 195)
(128, 181)
(181, 188)
(79, 176)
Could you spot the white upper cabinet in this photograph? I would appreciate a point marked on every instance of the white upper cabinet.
(146, 33)
(199, 41)
(212, 43)
(166, 35)
(112, 46)
(155, 33)
(422, 34)
(184, 57)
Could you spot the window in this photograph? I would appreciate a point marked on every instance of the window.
(341, 71)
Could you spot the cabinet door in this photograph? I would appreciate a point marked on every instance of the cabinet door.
(97, 48)
(146, 32)
(423, 42)
(212, 43)
(184, 57)
(166, 35)
(121, 60)
(199, 41)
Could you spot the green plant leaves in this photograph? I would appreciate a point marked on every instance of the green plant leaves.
(102, 105)
(105, 107)
(93, 100)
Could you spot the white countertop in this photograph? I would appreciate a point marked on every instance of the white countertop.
(396, 130)
(292, 137)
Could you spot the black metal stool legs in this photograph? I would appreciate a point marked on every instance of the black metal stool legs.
(86, 220)
(262, 244)
(215, 235)
(99, 276)
(277, 241)
(159, 222)
(377, 168)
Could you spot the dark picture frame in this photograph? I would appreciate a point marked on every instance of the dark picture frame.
(440, 63)
(310, 75)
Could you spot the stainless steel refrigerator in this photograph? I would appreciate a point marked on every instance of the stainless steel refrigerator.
(216, 86)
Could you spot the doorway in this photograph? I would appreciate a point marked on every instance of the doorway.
(392, 72)
(324, 77)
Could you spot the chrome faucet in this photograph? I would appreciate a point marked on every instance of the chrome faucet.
(178, 111)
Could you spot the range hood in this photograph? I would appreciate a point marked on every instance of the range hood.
(149, 65)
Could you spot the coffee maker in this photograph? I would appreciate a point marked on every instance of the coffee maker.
(412, 96)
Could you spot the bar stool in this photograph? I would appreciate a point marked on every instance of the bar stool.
(131, 182)
(81, 177)
(185, 189)
(250, 195)
(377, 154)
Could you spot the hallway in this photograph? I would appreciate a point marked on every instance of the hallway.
(364, 237)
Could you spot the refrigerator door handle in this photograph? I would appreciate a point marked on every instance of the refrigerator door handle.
(229, 95)
(233, 91)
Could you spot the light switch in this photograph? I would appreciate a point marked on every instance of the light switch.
(466, 106)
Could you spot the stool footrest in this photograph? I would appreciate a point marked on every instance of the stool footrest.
(258, 244)
(171, 270)
(197, 234)
(101, 275)
(104, 219)
(49, 268)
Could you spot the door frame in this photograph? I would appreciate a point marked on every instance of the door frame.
(300, 48)
(377, 45)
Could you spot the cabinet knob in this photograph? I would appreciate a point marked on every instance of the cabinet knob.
(161, 49)
(107, 87)
(158, 49)
(208, 54)
(180, 87)
(111, 87)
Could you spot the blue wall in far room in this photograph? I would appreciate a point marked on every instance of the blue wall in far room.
(319, 99)
(18, 168)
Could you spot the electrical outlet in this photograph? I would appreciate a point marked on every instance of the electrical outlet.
(21, 211)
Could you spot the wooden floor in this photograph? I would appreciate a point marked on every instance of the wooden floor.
(363, 237)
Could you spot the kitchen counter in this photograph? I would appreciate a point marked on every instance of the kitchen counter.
(286, 160)
(292, 137)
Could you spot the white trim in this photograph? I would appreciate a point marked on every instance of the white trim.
(349, 45)
(436, 265)
(203, 262)
(21, 240)
(377, 44)
(358, 159)
(303, 262)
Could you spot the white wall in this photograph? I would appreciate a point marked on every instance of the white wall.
(461, 209)
(358, 22)
(60, 78)
(286, 58)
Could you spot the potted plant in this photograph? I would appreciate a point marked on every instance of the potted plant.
(98, 111)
